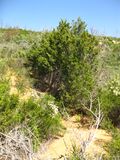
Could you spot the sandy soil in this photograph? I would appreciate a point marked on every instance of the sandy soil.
(57, 147)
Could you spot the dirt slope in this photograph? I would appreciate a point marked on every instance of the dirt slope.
(54, 149)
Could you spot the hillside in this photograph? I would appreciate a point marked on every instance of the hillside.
(56, 86)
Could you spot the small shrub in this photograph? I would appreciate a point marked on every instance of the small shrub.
(41, 117)
(114, 145)
(107, 125)
(76, 153)
(110, 100)
(114, 85)
(38, 117)
(78, 118)
(8, 106)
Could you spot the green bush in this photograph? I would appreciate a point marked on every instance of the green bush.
(64, 62)
(8, 106)
(110, 102)
(41, 117)
(76, 153)
(114, 146)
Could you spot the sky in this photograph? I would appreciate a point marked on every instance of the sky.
(101, 16)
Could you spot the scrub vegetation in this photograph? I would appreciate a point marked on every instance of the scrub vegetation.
(49, 75)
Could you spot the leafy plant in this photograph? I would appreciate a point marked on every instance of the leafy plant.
(65, 61)
(39, 116)
(110, 100)
(114, 146)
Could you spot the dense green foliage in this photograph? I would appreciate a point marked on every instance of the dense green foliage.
(38, 116)
(7, 107)
(114, 146)
(65, 61)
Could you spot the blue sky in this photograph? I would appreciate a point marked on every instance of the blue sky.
(103, 16)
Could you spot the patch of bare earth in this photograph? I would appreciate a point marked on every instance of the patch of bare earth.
(28, 91)
(60, 146)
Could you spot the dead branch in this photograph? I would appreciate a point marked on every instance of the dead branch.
(98, 115)
(15, 146)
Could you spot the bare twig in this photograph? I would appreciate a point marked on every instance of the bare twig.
(98, 115)
(15, 145)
